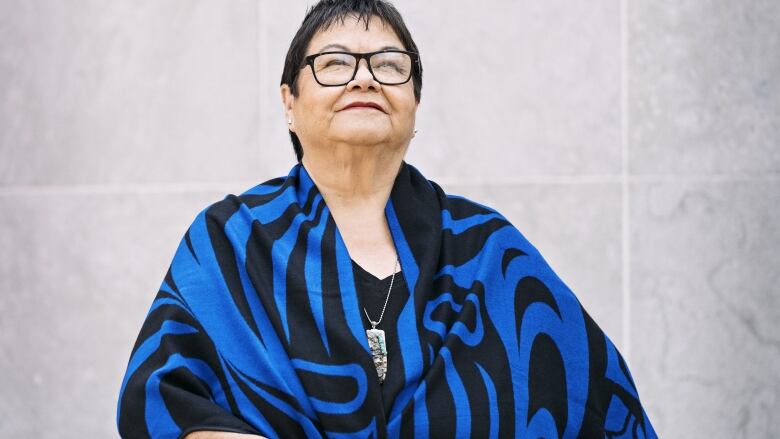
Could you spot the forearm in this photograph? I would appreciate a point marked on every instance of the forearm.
(220, 435)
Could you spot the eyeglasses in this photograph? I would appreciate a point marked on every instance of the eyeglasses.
(388, 67)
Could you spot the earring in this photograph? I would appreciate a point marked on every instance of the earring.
(415, 131)
(289, 121)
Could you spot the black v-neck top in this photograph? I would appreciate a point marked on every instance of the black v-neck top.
(372, 292)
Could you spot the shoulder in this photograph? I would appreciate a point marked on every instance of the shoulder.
(458, 211)
(227, 209)
(456, 205)
(461, 214)
(469, 218)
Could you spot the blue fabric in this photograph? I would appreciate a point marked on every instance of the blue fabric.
(257, 328)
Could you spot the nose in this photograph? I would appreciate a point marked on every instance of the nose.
(363, 77)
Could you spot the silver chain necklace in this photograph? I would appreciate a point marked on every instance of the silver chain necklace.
(376, 337)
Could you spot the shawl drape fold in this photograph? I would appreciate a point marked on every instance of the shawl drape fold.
(257, 328)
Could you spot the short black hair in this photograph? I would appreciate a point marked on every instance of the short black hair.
(320, 17)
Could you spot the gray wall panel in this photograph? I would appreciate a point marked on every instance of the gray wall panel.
(115, 92)
(706, 306)
(704, 93)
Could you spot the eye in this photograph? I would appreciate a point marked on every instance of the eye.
(392, 65)
(337, 62)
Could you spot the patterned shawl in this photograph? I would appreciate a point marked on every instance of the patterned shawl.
(257, 328)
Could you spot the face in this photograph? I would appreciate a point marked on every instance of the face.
(318, 113)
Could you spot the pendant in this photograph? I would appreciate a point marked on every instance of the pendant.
(376, 341)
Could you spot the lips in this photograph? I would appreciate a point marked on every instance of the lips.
(360, 104)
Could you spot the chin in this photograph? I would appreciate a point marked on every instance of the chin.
(366, 136)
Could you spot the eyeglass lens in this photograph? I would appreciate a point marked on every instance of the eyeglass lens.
(388, 67)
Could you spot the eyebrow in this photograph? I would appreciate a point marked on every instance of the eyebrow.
(346, 49)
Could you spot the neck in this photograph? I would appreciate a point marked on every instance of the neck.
(353, 176)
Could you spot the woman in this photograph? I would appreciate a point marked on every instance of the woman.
(354, 298)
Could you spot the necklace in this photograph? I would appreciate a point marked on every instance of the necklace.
(376, 337)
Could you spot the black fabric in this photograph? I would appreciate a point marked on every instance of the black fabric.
(372, 292)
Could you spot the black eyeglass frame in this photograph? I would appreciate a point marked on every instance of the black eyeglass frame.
(309, 61)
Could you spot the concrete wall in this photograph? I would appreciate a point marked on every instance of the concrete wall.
(635, 143)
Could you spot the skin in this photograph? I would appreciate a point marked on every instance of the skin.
(220, 435)
(353, 156)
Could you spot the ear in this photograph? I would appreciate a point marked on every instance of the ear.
(288, 102)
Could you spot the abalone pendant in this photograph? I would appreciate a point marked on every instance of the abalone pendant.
(376, 341)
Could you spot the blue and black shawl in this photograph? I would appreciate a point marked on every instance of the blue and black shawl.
(257, 328)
